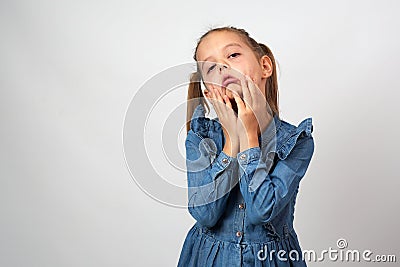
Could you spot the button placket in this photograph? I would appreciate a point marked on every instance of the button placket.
(239, 217)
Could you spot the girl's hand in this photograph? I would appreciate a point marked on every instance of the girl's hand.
(253, 115)
(228, 120)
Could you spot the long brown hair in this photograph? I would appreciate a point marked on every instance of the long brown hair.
(195, 95)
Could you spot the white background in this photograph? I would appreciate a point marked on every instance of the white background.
(68, 70)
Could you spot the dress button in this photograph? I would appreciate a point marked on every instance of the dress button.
(225, 160)
(243, 156)
(238, 233)
(241, 206)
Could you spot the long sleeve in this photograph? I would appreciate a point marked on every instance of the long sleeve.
(210, 179)
(264, 193)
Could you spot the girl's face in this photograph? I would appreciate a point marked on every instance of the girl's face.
(224, 58)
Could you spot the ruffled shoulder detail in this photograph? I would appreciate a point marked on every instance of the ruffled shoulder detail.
(201, 125)
(305, 128)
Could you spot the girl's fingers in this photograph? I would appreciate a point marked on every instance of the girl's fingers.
(227, 102)
(228, 106)
(239, 102)
(218, 95)
(220, 102)
(214, 101)
(220, 99)
(211, 94)
(255, 92)
(245, 90)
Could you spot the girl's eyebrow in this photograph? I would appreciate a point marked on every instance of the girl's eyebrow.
(232, 44)
(225, 47)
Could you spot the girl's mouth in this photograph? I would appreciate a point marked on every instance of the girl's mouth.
(228, 79)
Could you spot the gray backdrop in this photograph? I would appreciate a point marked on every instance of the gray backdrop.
(69, 70)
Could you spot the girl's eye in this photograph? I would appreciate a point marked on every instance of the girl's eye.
(234, 55)
(211, 68)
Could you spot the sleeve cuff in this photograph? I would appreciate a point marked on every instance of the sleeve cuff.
(249, 155)
(223, 160)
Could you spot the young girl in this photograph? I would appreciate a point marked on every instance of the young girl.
(244, 167)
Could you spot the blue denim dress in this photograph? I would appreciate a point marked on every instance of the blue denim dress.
(244, 205)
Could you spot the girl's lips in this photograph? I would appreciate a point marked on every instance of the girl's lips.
(228, 80)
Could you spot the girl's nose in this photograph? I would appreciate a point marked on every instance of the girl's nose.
(222, 66)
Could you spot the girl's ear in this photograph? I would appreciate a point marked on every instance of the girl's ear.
(266, 65)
